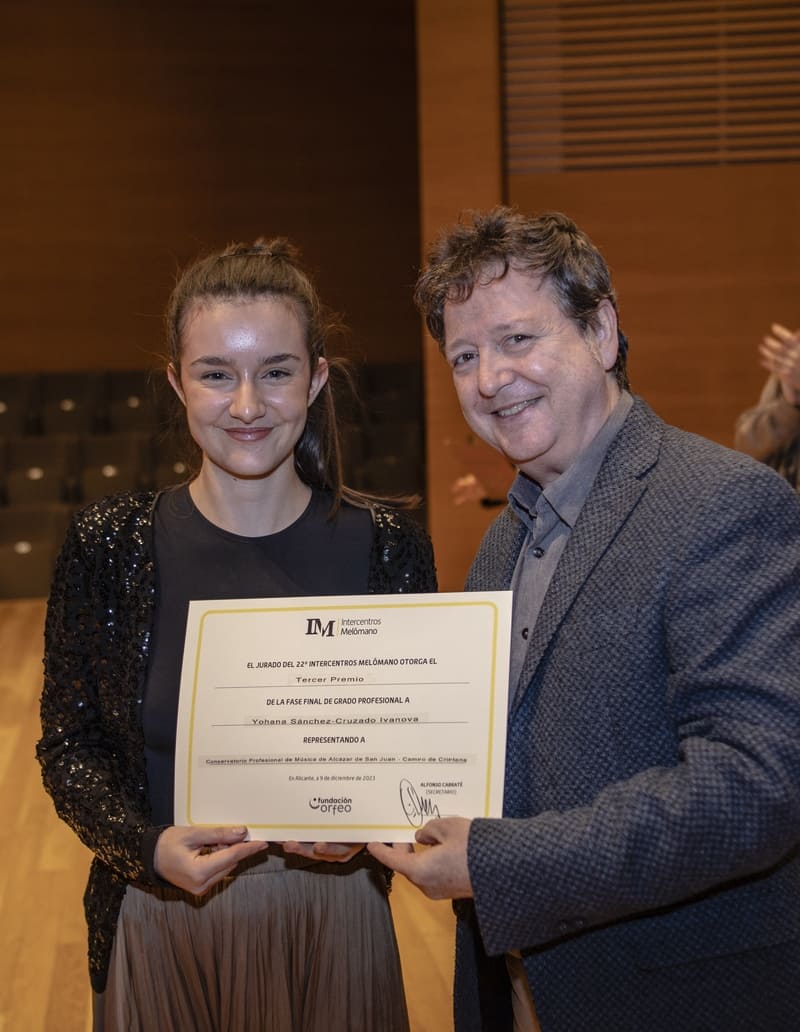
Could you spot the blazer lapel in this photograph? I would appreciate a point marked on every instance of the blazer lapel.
(493, 566)
(614, 494)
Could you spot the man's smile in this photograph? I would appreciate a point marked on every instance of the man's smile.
(515, 409)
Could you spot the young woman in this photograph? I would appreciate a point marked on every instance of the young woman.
(202, 928)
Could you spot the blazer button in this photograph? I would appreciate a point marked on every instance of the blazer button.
(538, 552)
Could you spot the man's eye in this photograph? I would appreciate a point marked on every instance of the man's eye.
(463, 359)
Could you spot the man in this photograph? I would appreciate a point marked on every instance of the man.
(645, 875)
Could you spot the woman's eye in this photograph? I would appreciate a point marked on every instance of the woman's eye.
(276, 374)
(214, 375)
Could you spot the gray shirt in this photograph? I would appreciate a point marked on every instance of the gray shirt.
(549, 516)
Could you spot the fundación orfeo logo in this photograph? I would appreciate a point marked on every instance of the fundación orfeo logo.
(331, 804)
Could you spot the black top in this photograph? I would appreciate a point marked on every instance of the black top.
(197, 560)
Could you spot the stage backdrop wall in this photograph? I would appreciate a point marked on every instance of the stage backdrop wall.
(137, 134)
(669, 132)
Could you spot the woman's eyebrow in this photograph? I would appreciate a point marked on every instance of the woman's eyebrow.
(220, 360)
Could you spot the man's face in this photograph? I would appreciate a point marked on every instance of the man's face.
(529, 383)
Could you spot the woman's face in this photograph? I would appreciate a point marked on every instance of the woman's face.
(246, 381)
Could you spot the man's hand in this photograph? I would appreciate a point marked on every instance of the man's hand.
(441, 871)
(780, 354)
(194, 859)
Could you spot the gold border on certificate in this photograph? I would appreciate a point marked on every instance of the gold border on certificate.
(334, 618)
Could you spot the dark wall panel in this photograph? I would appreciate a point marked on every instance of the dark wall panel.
(137, 134)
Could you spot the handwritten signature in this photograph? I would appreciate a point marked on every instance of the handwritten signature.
(416, 809)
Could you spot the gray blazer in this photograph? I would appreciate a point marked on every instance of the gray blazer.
(647, 864)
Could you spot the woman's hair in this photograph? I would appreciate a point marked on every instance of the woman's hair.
(483, 246)
(254, 272)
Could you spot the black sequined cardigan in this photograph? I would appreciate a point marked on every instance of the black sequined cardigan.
(97, 640)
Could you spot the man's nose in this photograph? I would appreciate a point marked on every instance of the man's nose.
(494, 373)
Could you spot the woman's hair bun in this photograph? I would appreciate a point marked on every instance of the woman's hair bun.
(278, 248)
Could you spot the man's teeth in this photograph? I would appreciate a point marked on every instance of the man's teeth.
(512, 410)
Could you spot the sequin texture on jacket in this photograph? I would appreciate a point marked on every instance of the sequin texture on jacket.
(97, 640)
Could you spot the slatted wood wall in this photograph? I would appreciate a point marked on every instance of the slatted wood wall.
(643, 84)
(669, 129)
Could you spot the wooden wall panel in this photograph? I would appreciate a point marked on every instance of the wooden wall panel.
(703, 260)
(460, 167)
(136, 135)
(650, 83)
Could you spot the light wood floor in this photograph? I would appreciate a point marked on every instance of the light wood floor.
(43, 977)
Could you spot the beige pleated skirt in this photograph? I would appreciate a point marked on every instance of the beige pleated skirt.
(277, 948)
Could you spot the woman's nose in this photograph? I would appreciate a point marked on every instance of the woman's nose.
(247, 403)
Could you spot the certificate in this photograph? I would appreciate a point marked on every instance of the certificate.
(343, 718)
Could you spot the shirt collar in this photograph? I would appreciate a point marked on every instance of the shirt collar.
(567, 493)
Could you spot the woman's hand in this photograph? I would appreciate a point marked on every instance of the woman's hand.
(333, 852)
(194, 859)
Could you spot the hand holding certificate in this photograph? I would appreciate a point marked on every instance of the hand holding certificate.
(344, 719)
